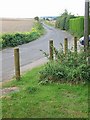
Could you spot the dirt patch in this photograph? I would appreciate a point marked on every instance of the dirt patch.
(9, 90)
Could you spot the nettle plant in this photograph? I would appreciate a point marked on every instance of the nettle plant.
(71, 67)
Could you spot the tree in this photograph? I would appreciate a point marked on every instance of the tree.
(36, 18)
(62, 21)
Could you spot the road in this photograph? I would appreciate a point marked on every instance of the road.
(30, 53)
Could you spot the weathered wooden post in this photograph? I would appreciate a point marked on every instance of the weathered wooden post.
(17, 63)
(75, 44)
(65, 45)
(51, 49)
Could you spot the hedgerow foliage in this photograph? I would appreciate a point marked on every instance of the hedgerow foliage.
(76, 26)
(62, 21)
(1, 41)
(71, 68)
(14, 39)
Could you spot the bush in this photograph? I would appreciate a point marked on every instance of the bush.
(66, 68)
(53, 71)
(36, 18)
(1, 40)
(12, 40)
(62, 21)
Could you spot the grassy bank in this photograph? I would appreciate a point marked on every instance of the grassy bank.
(50, 23)
(34, 100)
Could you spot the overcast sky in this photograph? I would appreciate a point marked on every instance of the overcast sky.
(32, 8)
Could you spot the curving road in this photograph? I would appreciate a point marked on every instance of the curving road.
(30, 53)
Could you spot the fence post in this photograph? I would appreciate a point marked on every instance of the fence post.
(75, 44)
(51, 49)
(65, 45)
(17, 63)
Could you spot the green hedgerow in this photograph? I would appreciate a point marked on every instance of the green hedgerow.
(14, 39)
(71, 67)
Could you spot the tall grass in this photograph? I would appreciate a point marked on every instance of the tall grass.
(71, 68)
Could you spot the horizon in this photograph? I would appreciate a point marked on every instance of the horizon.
(32, 8)
(31, 18)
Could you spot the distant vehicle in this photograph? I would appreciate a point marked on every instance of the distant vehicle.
(81, 40)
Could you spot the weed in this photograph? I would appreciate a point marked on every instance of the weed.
(71, 67)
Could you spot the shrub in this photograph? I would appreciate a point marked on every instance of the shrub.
(76, 26)
(1, 40)
(62, 21)
(36, 18)
(71, 68)
(12, 40)
(53, 71)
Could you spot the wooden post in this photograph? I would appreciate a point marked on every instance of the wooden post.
(17, 63)
(65, 45)
(75, 44)
(51, 49)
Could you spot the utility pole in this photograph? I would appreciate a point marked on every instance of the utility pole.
(86, 26)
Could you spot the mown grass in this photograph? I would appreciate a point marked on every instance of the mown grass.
(53, 100)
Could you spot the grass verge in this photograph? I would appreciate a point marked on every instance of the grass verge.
(44, 101)
(50, 23)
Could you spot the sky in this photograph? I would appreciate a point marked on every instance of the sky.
(33, 8)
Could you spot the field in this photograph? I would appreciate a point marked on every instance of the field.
(15, 25)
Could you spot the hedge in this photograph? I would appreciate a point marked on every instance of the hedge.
(14, 39)
(62, 21)
(76, 26)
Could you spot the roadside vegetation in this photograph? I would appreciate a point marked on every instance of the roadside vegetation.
(50, 23)
(76, 26)
(1, 41)
(66, 68)
(58, 89)
(14, 39)
(73, 24)
(62, 21)
(34, 100)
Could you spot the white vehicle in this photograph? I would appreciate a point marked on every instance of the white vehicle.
(81, 40)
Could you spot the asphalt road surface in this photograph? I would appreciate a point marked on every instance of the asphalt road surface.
(30, 53)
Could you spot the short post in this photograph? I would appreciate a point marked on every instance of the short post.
(75, 44)
(51, 49)
(17, 63)
(65, 45)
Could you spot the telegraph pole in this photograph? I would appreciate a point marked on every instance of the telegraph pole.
(86, 26)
